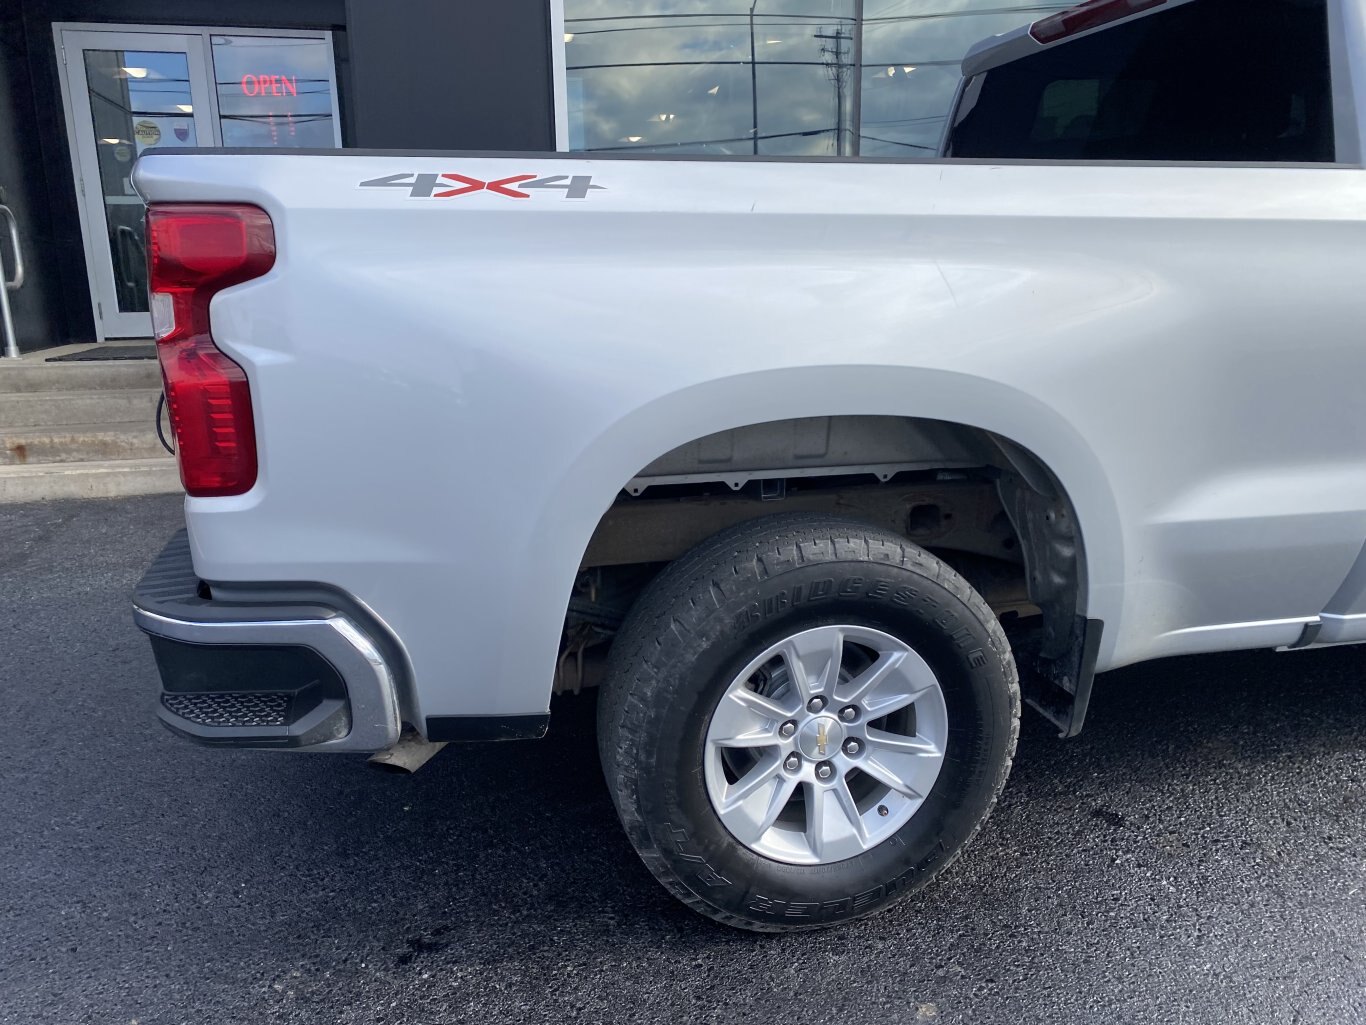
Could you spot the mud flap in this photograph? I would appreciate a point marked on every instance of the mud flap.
(1060, 688)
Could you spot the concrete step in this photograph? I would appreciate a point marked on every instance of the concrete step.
(114, 478)
(54, 408)
(74, 443)
(114, 375)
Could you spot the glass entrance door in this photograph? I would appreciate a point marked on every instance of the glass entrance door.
(128, 92)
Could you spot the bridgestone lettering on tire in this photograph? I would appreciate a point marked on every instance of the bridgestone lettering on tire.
(804, 721)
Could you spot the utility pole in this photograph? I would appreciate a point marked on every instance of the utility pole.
(833, 55)
(857, 132)
(753, 81)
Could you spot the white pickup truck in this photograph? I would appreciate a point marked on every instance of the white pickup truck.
(811, 466)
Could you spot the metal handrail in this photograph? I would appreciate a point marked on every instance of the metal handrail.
(6, 319)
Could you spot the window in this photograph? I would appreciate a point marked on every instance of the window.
(765, 77)
(704, 76)
(274, 90)
(1219, 80)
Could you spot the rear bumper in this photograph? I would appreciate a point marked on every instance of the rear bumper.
(293, 675)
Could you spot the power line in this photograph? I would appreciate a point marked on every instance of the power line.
(893, 142)
(696, 64)
(738, 23)
(710, 142)
(707, 14)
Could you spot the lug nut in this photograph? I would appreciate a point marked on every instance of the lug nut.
(825, 770)
(848, 713)
(815, 704)
(852, 746)
(792, 763)
(787, 729)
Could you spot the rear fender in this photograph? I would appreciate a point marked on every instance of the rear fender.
(592, 483)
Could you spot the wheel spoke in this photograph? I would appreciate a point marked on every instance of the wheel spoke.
(887, 777)
(833, 826)
(757, 704)
(816, 797)
(907, 765)
(763, 773)
(849, 806)
(873, 677)
(738, 722)
(761, 737)
(782, 793)
(905, 745)
(895, 680)
(813, 660)
(752, 804)
(876, 709)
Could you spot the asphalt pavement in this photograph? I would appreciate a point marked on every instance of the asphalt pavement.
(1197, 855)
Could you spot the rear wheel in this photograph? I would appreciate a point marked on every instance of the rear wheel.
(804, 721)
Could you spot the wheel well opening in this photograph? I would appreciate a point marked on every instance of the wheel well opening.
(983, 504)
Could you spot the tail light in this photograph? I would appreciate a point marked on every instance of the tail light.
(1083, 17)
(194, 251)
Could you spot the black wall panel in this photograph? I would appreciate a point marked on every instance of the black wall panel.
(39, 313)
(430, 74)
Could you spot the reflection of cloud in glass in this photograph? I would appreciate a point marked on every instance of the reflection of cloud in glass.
(274, 90)
(894, 30)
(723, 72)
(691, 60)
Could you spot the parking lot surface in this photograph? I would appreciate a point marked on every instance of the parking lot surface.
(1197, 855)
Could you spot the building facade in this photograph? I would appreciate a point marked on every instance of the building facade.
(86, 86)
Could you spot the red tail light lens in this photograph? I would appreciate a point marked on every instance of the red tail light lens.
(1092, 14)
(194, 251)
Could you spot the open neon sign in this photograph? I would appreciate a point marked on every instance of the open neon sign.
(270, 85)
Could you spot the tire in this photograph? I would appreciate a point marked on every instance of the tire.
(687, 724)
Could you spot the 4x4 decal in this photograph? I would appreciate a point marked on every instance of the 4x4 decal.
(444, 186)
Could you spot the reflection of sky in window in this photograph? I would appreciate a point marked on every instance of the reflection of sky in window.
(676, 75)
(256, 106)
(164, 81)
(137, 87)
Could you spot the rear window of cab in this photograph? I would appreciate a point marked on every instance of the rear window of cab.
(1212, 80)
